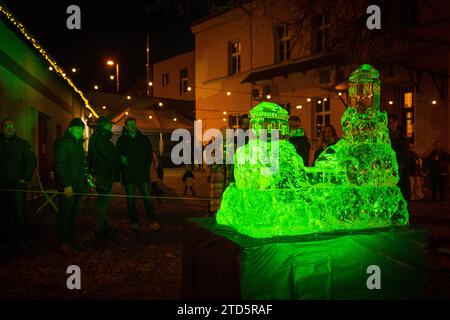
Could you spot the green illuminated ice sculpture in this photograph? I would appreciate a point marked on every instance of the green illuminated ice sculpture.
(353, 184)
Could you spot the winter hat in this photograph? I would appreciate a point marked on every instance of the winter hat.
(102, 121)
(76, 122)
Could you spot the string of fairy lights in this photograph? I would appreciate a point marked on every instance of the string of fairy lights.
(337, 95)
(53, 65)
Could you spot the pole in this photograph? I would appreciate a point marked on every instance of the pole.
(148, 66)
(117, 77)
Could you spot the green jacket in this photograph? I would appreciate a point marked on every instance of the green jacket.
(70, 163)
(103, 158)
(139, 153)
(17, 161)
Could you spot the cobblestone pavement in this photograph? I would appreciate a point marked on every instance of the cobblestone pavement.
(148, 266)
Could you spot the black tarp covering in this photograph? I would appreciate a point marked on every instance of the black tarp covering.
(219, 263)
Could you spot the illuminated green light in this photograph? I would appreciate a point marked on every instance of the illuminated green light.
(353, 184)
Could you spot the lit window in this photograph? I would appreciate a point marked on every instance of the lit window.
(408, 100)
(322, 114)
(409, 114)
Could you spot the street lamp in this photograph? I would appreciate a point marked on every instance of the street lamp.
(111, 63)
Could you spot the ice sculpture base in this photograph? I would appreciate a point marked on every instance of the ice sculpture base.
(220, 263)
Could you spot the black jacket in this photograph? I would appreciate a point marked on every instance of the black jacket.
(400, 145)
(103, 158)
(17, 161)
(70, 163)
(302, 146)
(437, 161)
(139, 153)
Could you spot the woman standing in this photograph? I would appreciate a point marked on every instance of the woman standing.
(328, 137)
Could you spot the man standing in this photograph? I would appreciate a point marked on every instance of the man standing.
(438, 163)
(298, 138)
(72, 173)
(17, 165)
(137, 152)
(104, 164)
(400, 146)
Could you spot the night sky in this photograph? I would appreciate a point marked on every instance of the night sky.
(115, 30)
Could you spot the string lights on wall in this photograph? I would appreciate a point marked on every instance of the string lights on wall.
(53, 65)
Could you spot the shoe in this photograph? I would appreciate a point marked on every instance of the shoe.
(154, 225)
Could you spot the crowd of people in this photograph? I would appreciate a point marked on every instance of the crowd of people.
(129, 161)
(133, 162)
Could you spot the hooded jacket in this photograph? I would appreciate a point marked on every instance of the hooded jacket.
(139, 153)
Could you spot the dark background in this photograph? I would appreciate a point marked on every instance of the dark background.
(110, 30)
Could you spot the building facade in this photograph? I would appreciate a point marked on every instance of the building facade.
(251, 53)
(174, 78)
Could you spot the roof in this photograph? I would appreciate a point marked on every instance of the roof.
(286, 69)
(161, 121)
(141, 108)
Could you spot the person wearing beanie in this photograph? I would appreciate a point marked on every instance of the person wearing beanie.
(72, 176)
(104, 165)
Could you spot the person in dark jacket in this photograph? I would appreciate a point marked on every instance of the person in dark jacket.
(72, 174)
(438, 165)
(137, 152)
(17, 165)
(298, 138)
(104, 164)
(400, 145)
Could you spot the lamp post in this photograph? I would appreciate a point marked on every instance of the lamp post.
(111, 63)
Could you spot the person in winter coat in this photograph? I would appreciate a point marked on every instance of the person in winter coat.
(438, 165)
(72, 175)
(400, 145)
(137, 152)
(298, 138)
(17, 165)
(104, 164)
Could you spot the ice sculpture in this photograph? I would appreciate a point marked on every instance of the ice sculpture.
(353, 184)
